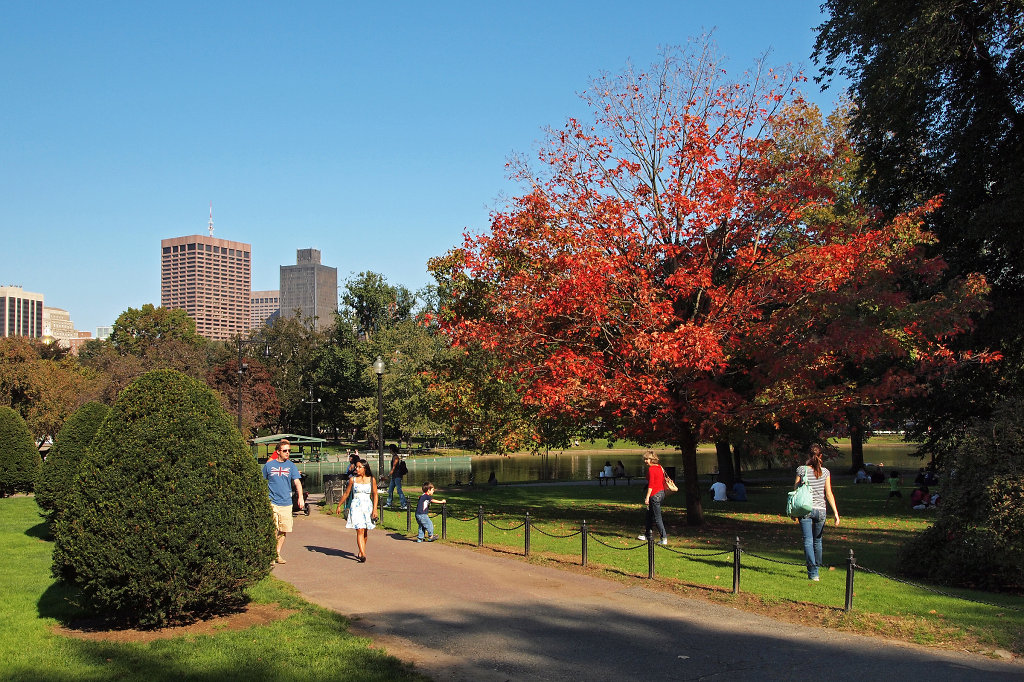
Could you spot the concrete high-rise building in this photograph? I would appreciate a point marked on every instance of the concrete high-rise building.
(58, 327)
(21, 313)
(103, 332)
(263, 304)
(211, 280)
(310, 288)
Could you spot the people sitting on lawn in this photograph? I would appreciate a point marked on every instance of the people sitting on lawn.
(739, 492)
(719, 491)
(862, 476)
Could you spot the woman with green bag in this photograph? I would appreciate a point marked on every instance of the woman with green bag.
(813, 524)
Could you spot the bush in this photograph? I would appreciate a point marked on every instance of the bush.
(21, 458)
(978, 536)
(61, 465)
(169, 518)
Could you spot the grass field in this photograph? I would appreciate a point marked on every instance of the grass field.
(310, 644)
(872, 527)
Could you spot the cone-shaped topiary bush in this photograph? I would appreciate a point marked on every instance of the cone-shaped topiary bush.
(168, 519)
(67, 452)
(21, 458)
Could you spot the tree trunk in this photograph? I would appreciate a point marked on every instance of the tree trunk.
(691, 486)
(856, 429)
(740, 451)
(725, 470)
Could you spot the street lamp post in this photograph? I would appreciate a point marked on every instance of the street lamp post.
(378, 367)
(311, 403)
(242, 368)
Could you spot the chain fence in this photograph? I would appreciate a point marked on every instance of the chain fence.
(736, 551)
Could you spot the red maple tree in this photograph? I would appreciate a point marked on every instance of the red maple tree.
(667, 245)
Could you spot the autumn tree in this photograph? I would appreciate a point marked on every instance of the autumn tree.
(655, 247)
(939, 110)
(260, 407)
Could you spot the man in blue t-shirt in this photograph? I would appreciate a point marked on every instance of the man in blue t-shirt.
(280, 475)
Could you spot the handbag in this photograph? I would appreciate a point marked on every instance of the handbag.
(798, 502)
(670, 485)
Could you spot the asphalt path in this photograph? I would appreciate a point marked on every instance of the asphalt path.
(460, 614)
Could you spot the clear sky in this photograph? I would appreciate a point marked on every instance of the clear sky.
(375, 133)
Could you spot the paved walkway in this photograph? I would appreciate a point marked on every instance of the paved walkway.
(458, 614)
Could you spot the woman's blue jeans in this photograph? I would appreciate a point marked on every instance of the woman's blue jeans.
(654, 514)
(396, 482)
(812, 526)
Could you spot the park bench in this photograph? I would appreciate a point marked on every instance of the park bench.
(603, 480)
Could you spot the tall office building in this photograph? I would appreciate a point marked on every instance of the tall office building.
(263, 305)
(310, 288)
(58, 327)
(211, 280)
(21, 313)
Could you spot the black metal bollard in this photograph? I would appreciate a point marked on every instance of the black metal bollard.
(408, 519)
(850, 564)
(526, 540)
(480, 527)
(736, 567)
(583, 532)
(650, 555)
(444, 521)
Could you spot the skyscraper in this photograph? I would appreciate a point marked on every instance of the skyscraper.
(211, 280)
(310, 288)
(21, 313)
(263, 305)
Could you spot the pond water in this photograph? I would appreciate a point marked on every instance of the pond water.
(581, 464)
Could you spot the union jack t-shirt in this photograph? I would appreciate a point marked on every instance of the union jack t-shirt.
(279, 476)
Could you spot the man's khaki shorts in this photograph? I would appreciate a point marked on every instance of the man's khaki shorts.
(282, 517)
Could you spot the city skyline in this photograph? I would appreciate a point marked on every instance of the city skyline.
(377, 135)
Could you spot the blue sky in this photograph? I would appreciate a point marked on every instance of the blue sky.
(377, 134)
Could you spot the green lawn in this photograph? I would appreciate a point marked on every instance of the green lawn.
(871, 527)
(311, 644)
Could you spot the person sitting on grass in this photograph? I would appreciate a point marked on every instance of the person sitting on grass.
(426, 526)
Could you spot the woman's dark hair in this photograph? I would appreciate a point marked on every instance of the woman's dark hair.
(393, 449)
(814, 460)
(366, 468)
(608, 463)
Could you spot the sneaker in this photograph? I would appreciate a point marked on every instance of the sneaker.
(419, 539)
(431, 538)
(641, 537)
(664, 541)
(404, 507)
(816, 579)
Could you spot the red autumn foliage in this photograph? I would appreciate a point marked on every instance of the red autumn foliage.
(668, 246)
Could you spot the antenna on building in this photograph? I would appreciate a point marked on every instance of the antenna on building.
(210, 226)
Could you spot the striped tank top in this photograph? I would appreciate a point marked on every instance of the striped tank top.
(817, 484)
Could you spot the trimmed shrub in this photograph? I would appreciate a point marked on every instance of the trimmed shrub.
(68, 450)
(21, 458)
(978, 536)
(168, 519)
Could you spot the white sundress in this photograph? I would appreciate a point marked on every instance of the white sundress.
(359, 516)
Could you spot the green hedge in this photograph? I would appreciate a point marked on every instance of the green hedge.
(21, 458)
(169, 518)
(68, 450)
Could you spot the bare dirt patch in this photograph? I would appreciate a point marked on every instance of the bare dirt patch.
(99, 631)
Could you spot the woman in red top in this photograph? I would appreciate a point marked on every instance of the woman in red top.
(655, 494)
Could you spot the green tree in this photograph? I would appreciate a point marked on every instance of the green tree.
(69, 449)
(977, 539)
(375, 304)
(939, 108)
(136, 330)
(21, 459)
(168, 519)
(293, 346)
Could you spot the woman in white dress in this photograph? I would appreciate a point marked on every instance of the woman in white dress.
(363, 514)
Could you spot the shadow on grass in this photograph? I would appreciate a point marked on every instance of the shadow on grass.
(40, 531)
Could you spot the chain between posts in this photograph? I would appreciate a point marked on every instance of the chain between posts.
(737, 551)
